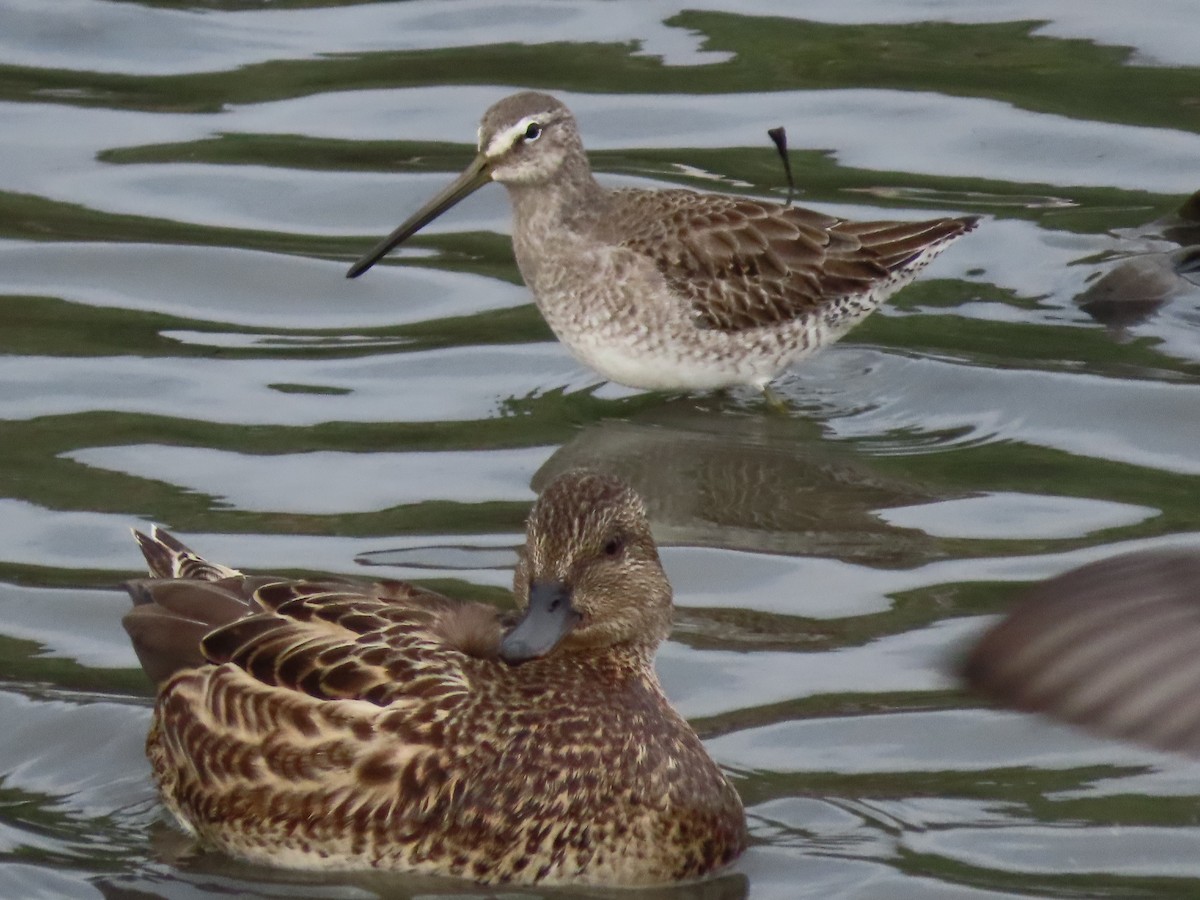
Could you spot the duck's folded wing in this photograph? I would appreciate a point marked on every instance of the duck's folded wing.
(1113, 646)
(325, 639)
(330, 707)
(336, 642)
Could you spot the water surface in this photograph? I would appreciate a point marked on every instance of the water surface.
(182, 188)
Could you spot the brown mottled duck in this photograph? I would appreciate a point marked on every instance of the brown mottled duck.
(324, 724)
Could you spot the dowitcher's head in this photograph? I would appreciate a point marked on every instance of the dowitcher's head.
(526, 139)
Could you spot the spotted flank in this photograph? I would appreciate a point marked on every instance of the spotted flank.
(674, 289)
(320, 723)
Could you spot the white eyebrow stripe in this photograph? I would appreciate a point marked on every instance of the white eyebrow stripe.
(503, 141)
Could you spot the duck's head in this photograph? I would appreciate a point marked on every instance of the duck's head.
(525, 139)
(589, 576)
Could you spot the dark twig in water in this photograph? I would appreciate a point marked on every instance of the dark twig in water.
(779, 136)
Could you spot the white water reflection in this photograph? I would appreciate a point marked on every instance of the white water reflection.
(248, 288)
(463, 384)
(1154, 424)
(1016, 516)
(126, 38)
(349, 482)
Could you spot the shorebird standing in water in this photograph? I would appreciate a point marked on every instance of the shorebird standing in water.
(673, 289)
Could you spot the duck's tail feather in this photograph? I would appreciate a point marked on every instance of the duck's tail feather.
(168, 557)
(173, 611)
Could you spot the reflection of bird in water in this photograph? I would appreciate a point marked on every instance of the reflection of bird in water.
(1137, 287)
(1113, 646)
(753, 483)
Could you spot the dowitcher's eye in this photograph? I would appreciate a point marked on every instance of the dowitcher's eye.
(533, 132)
(614, 548)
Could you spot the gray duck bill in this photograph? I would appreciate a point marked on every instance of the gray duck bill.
(477, 174)
(547, 620)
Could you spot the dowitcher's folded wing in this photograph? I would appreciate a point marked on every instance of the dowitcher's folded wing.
(744, 263)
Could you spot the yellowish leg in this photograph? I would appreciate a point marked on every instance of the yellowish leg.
(774, 402)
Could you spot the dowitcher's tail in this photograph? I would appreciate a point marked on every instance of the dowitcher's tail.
(903, 246)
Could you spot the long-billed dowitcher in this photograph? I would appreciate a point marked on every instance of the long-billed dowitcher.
(320, 724)
(672, 289)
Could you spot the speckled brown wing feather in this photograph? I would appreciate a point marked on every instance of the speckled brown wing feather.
(332, 641)
(327, 639)
(317, 703)
(323, 721)
(744, 263)
(1113, 647)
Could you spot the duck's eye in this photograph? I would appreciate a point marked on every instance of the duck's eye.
(533, 132)
(614, 548)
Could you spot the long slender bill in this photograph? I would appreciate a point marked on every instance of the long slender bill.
(477, 174)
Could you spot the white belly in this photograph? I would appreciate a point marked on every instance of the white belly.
(656, 370)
